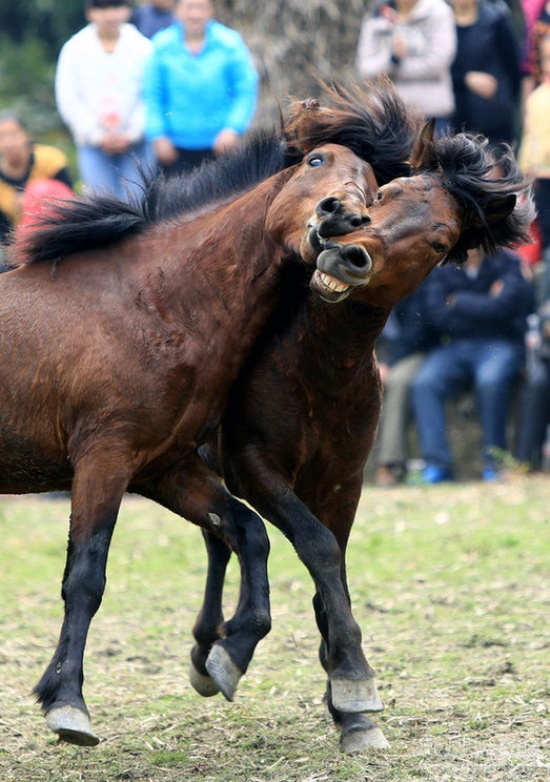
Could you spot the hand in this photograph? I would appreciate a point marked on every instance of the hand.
(115, 143)
(482, 84)
(496, 288)
(165, 151)
(399, 46)
(225, 141)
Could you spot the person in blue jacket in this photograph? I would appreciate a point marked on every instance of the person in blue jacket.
(479, 312)
(200, 88)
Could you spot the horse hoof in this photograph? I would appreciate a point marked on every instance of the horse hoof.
(355, 696)
(223, 670)
(363, 740)
(204, 685)
(72, 725)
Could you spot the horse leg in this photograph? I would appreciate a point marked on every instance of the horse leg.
(206, 630)
(351, 677)
(194, 492)
(358, 732)
(96, 498)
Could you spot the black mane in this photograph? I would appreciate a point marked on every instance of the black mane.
(97, 220)
(487, 182)
(370, 120)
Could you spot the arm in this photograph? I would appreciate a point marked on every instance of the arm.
(439, 52)
(83, 124)
(243, 87)
(374, 48)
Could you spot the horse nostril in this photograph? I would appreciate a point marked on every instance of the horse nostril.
(328, 206)
(357, 257)
(358, 220)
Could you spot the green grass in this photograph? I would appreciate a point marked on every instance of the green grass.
(450, 586)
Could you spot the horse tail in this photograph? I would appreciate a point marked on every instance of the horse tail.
(84, 223)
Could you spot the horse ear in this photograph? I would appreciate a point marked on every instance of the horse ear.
(423, 145)
(498, 209)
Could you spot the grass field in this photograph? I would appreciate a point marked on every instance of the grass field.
(450, 585)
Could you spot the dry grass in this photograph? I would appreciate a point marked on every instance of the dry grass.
(450, 585)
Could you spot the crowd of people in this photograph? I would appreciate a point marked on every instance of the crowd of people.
(164, 86)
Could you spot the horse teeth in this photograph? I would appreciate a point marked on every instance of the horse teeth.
(332, 283)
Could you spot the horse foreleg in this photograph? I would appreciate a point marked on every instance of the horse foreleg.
(209, 623)
(195, 493)
(95, 506)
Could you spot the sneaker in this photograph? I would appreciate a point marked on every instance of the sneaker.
(491, 475)
(434, 474)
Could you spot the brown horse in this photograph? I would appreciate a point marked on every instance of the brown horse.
(302, 417)
(116, 363)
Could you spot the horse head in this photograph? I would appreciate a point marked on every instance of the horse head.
(461, 194)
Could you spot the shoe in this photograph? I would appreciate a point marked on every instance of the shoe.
(385, 478)
(434, 474)
(491, 475)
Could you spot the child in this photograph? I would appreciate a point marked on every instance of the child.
(98, 91)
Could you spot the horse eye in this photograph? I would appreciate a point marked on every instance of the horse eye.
(379, 196)
(439, 248)
(316, 160)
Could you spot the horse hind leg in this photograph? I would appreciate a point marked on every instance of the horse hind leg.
(230, 656)
(195, 493)
(59, 691)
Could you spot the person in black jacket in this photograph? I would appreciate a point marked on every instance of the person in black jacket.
(479, 312)
(486, 71)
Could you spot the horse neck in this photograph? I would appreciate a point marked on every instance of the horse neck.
(224, 254)
(337, 341)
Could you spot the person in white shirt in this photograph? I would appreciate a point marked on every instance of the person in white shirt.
(98, 92)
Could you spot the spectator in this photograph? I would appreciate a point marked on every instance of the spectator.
(486, 71)
(150, 18)
(535, 398)
(537, 24)
(414, 43)
(534, 158)
(401, 350)
(22, 162)
(201, 89)
(479, 313)
(98, 91)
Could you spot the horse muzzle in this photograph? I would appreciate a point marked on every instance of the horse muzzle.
(340, 269)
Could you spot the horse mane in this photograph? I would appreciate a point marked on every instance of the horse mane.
(97, 220)
(370, 119)
(488, 184)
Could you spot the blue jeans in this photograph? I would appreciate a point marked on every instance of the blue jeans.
(492, 365)
(119, 175)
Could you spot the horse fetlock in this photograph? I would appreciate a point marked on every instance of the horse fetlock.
(72, 725)
(349, 695)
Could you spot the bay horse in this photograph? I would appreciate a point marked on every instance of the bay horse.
(302, 417)
(123, 330)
